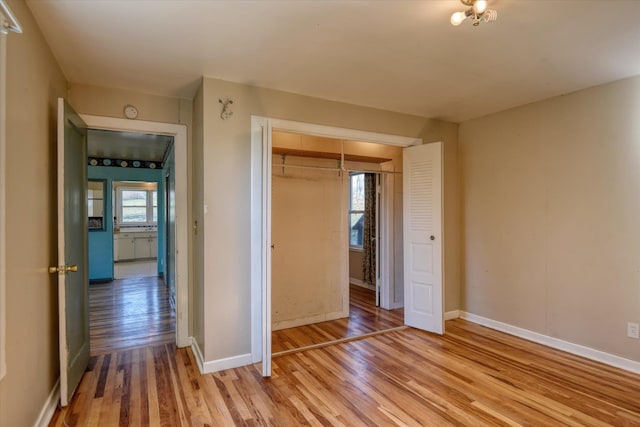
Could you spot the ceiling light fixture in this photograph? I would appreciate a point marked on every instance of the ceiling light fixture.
(477, 12)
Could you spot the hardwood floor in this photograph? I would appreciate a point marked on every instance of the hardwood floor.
(127, 313)
(364, 318)
(471, 376)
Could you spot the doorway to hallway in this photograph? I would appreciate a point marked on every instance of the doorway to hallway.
(129, 313)
(178, 251)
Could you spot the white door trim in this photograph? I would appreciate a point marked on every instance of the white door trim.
(384, 234)
(342, 133)
(3, 178)
(260, 333)
(179, 133)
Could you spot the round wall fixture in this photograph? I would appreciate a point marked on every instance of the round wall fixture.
(124, 164)
(130, 112)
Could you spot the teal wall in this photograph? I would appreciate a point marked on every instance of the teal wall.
(101, 241)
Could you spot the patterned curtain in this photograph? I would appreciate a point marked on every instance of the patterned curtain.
(369, 236)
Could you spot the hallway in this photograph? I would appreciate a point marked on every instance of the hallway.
(130, 313)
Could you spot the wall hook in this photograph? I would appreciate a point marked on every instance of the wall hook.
(226, 108)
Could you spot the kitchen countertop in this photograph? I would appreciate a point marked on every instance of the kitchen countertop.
(135, 230)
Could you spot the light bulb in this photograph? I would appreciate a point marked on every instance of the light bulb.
(479, 6)
(457, 18)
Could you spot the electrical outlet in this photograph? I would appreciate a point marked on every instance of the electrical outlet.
(633, 330)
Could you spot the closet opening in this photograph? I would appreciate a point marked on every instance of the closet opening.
(410, 235)
(333, 228)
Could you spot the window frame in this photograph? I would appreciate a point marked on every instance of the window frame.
(97, 223)
(357, 248)
(149, 206)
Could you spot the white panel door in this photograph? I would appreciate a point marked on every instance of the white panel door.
(422, 232)
(73, 276)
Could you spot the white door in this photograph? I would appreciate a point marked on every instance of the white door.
(422, 232)
(73, 277)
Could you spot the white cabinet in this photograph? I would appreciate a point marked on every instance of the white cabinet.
(126, 248)
(142, 249)
(141, 245)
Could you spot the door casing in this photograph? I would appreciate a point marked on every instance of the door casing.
(183, 218)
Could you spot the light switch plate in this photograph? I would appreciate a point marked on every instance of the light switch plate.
(633, 330)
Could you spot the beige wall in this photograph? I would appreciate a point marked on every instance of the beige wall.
(197, 247)
(110, 102)
(309, 269)
(551, 206)
(34, 82)
(226, 177)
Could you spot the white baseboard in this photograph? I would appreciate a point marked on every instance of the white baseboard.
(195, 348)
(453, 314)
(394, 305)
(577, 349)
(211, 366)
(324, 317)
(360, 283)
(227, 363)
(49, 408)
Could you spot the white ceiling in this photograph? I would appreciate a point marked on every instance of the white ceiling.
(395, 55)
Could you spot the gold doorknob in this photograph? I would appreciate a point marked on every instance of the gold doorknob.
(63, 269)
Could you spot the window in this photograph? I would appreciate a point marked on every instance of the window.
(356, 210)
(95, 204)
(137, 204)
(154, 205)
(134, 206)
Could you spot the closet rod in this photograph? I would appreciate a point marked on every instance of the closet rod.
(372, 171)
(284, 165)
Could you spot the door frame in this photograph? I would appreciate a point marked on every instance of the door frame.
(384, 233)
(261, 213)
(167, 230)
(181, 271)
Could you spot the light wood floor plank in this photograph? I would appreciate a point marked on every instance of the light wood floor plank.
(471, 376)
(364, 318)
(130, 313)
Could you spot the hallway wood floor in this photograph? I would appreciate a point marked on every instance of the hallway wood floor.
(471, 376)
(364, 317)
(128, 313)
